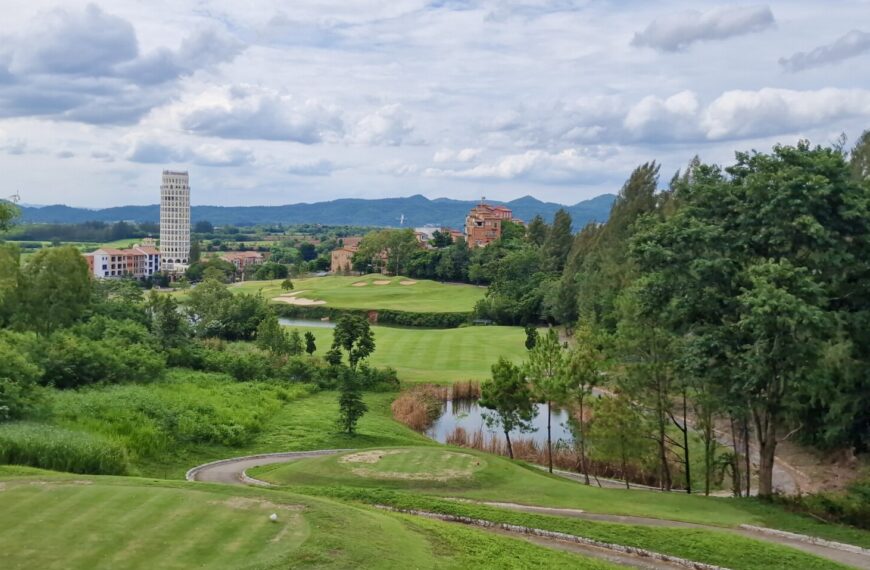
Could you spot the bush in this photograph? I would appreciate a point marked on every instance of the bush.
(851, 506)
(20, 396)
(58, 449)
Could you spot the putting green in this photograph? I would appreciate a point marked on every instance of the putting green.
(372, 292)
(411, 464)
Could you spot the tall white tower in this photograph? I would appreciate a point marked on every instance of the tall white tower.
(174, 221)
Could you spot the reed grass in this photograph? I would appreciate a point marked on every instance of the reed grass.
(58, 449)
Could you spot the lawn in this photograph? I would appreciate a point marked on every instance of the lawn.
(498, 479)
(376, 292)
(49, 521)
(440, 356)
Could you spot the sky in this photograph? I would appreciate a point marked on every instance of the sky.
(271, 102)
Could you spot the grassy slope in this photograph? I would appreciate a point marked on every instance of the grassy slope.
(301, 425)
(502, 480)
(49, 521)
(441, 356)
(338, 291)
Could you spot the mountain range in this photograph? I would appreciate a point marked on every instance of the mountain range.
(412, 211)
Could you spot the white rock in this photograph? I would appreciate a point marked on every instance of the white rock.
(273, 517)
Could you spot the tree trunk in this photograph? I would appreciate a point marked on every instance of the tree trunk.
(549, 439)
(766, 433)
(737, 476)
(747, 457)
(686, 446)
(665, 471)
(507, 437)
(583, 466)
(624, 472)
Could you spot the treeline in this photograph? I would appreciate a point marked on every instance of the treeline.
(736, 297)
(98, 232)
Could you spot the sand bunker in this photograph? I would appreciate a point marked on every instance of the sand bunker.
(381, 282)
(374, 456)
(360, 284)
(407, 282)
(292, 299)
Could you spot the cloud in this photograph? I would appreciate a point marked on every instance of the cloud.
(84, 65)
(13, 146)
(775, 111)
(390, 126)
(464, 155)
(850, 45)
(248, 112)
(65, 154)
(569, 165)
(152, 151)
(319, 167)
(655, 118)
(677, 31)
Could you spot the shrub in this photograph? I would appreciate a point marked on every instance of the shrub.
(59, 449)
(384, 316)
(851, 506)
(20, 396)
(420, 406)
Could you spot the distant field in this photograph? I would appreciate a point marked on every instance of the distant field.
(443, 356)
(53, 521)
(375, 292)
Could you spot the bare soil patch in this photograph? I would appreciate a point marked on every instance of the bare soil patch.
(372, 456)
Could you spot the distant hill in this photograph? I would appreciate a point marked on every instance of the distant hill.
(418, 211)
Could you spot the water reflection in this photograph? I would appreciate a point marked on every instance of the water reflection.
(467, 414)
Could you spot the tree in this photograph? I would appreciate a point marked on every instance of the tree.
(307, 250)
(271, 270)
(167, 323)
(545, 369)
(537, 231)
(55, 289)
(203, 227)
(287, 285)
(583, 368)
(294, 343)
(441, 239)
(531, 336)
(615, 431)
(19, 394)
(353, 334)
(310, 346)
(271, 336)
(195, 251)
(507, 393)
(351, 406)
(859, 162)
(559, 240)
(10, 276)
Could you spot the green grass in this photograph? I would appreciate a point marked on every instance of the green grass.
(502, 480)
(338, 291)
(441, 356)
(52, 447)
(52, 522)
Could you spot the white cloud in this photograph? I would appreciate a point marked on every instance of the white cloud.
(656, 118)
(845, 47)
(677, 31)
(152, 150)
(249, 112)
(390, 126)
(463, 155)
(317, 167)
(569, 165)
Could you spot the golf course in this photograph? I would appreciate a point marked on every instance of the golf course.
(371, 292)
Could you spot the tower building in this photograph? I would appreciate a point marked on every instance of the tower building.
(175, 221)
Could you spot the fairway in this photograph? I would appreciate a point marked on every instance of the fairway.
(442, 356)
(373, 292)
(53, 521)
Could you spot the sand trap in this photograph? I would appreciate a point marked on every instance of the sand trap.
(292, 299)
(360, 284)
(381, 282)
(298, 301)
(407, 282)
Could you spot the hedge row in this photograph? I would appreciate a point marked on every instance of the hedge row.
(384, 316)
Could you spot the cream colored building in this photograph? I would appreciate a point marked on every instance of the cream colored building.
(175, 221)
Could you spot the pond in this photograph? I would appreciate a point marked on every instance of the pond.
(467, 414)
(306, 323)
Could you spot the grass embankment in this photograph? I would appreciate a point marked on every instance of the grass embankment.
(375, 292)
(498, 479)
(56, 521)
(441, 356)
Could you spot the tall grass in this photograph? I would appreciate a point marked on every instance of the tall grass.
(51, 447)
(420, 406)
(187, 408)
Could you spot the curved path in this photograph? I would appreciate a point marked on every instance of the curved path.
(233, 472)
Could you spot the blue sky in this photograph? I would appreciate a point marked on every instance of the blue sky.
(279, 102)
